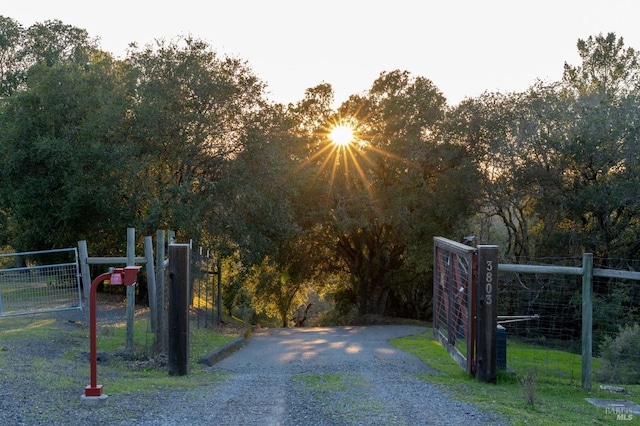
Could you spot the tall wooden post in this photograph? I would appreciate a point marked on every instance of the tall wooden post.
(161, 318)
(486, 310)
(587, 318)
(131, 290)
(151, 282)
(83, 256)
(219, 298)
(178, 309)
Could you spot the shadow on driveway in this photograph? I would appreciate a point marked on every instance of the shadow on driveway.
(324, 350)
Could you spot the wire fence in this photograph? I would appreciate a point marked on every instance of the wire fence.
(39, 281)
(205, 275)
(542, 315)
(453, 300)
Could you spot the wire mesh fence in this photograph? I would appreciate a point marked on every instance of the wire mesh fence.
(543, 323)
(204, 273)
(616, 319)
(542, 315)
(39, 281)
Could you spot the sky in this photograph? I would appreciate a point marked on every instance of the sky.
(465, 47)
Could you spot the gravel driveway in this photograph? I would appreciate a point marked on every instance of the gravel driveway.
(290, 377)
(323, 376)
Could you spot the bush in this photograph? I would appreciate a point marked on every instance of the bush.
(620, 356)
(529, 381)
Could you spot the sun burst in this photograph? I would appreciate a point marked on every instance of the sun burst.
(342, 134)
(341, 157)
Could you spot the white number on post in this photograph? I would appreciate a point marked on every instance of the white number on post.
(489, 282)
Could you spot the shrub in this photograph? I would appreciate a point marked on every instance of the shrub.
(620, 356)
(529, 381)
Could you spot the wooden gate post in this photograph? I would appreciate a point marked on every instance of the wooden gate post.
(219, 296)
(486, 311)
(178, 309)
(130, 290)
(151, 283)
(161, 319)
(587, 318)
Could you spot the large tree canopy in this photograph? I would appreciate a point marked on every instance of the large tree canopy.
(61, 156)
(560, 161)
(92, 146)
(389, 192)
(176, 136)
(191, 113)
(603, 151)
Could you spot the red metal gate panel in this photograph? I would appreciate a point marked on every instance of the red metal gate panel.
(454, 300)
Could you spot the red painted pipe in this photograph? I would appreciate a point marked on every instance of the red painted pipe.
(94, 389)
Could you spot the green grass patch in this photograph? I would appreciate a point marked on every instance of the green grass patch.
(48, 373)
(551, 365)
(26, 327)
(556, 400)
(203, 341)
(331, 382)
(140, 373)
(344, 397)
(112, 339)
(62, 365)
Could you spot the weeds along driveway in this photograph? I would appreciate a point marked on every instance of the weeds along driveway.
(328, 376)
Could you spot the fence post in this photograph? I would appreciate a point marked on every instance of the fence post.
(487, 310)
(161, 319)
(587, 318)
(219, 298)
(178, 309)
(83, 254)
(131, 289)
(151, 282)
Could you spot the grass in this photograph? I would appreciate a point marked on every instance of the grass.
(333, 394)
(556, 400)
(121, 373)
(137, 375)
(331, 382)
(553, 366)
(550, 379)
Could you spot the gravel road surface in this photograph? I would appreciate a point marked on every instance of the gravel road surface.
(324, 376)
(289, 377)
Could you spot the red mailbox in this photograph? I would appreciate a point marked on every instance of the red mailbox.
(131, 274)
(126, 276)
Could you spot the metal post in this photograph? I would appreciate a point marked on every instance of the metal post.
(94, 390)
(127, 277)
(587, 318)
(178, 309)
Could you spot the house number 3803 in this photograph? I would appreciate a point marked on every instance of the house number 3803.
(489, 283)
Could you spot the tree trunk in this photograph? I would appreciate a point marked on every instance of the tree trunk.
(362, 297)
(381, 303)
